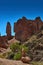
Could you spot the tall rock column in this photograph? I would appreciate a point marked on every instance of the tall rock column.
(8, 30)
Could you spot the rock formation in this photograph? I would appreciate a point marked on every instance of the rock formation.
(24, 28)
(8, 30)
(35, 45)
(4, 39)
(3, 42)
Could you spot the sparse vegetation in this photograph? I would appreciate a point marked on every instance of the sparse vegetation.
(10, 55)
(33, 48)
(17, 56)
(25, 48)
(3, 55)
(37, 63)
(16, 49)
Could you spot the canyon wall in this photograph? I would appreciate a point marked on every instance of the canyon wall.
(24, 28)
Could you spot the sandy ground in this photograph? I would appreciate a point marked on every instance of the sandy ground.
(11, 62)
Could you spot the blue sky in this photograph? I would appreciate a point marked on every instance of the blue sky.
(12, 10)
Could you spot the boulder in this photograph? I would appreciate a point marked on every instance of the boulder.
(25, 59)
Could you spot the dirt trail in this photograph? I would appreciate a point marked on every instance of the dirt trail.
(11, 62)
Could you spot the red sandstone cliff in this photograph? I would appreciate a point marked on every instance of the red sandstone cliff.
(24, 28)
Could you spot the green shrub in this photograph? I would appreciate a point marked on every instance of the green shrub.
(3, 55)
(14, 47)
(10, 55)
(17, 56)
(25, 48)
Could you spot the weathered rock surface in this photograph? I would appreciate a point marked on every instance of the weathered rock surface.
(4, 39)
(26, 59)
(24, 28)
(36, 49)
(8, 31)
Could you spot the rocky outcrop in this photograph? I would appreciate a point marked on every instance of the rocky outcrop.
(3, 42)
(26, 59)
(4, 39)
(24, 28)
(36, 48)
(8, 30)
